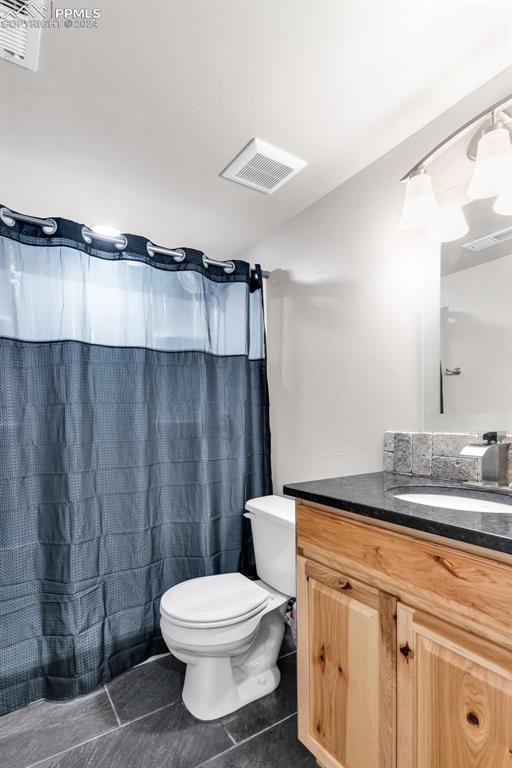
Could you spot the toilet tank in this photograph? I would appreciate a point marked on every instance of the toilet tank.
(273, 532)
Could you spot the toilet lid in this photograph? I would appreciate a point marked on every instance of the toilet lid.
(214, 599)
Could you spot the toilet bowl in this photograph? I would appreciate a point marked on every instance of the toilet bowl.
(228, 629)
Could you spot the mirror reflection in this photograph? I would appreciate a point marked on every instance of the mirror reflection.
(476, 315)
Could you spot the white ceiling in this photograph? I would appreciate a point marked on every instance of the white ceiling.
(130, 124)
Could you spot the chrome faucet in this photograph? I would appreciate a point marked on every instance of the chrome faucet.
(494, 454)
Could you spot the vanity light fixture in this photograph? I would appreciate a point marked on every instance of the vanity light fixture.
(452, 223)
(492, 176)
(503, 203)
(420, 209)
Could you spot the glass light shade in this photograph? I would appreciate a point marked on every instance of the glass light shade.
(493, 166)
(420, 209)
(503, 204)
(452, 224)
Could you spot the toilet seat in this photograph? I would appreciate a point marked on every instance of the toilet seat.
(215, 624)
(214, 601)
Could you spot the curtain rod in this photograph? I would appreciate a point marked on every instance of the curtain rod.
(120, 242)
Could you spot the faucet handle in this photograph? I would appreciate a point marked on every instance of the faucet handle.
(493, 437)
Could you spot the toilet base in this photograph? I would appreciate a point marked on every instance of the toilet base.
(260, 685)
(216, 686)
(231, 698)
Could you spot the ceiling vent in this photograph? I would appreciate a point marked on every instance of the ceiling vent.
(263, 167)
(489, 240)
(20, 31)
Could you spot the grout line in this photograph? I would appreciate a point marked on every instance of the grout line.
(244, 741)
(75, 746)
(109, 697)
(228, 733)
(159, 709)
(100, 735)
(153, 712)
(152, 658)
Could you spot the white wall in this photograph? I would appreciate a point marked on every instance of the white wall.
(344, 315)
(131, 123)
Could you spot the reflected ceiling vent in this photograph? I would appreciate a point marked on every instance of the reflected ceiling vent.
(263, 167)
(20, 31)
(489, 240)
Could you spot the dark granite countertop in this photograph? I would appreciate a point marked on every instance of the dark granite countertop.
(372, 495)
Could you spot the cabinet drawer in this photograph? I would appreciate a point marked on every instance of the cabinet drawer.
(473, 586)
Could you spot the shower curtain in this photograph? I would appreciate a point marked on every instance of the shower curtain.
(133, 428)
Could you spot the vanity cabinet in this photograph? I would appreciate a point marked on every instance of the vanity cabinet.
(404, 648)
(347, 665)
(455, 694)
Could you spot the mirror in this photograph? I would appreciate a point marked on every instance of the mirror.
(467, 326)
(467, 298)
(476, 315)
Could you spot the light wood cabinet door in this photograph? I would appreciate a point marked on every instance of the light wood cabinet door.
(346, 669)
(454, 696)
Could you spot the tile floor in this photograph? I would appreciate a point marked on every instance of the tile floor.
(138, 721)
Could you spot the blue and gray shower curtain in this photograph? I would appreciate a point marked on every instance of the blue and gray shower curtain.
(133, 428)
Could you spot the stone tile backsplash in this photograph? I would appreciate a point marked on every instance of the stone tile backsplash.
(421, 453)
(432, 454)
(456, 468)
(403, 453)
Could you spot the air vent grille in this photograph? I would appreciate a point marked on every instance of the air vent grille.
(489, 240)
(15, 5)
(264, 172)
(14, 41)
(263, 167)
(19, 40)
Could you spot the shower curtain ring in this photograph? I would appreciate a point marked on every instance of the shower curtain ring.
(120, 242)
(178, 254)
(227, 266)
(9, 218)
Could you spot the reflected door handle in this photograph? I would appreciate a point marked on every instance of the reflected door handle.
(452, 371)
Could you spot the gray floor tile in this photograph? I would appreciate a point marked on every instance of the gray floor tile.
(276, 748)
(44, 728)
(268, 710)
(147, 687)
(170, 737)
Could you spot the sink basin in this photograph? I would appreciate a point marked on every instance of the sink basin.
(456, 501)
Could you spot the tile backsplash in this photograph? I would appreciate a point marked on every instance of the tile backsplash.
(434, 454)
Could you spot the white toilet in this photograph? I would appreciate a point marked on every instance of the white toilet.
(229, 629)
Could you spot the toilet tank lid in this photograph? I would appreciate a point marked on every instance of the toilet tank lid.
(276, 507)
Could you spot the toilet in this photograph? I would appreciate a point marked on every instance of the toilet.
(228, 629)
